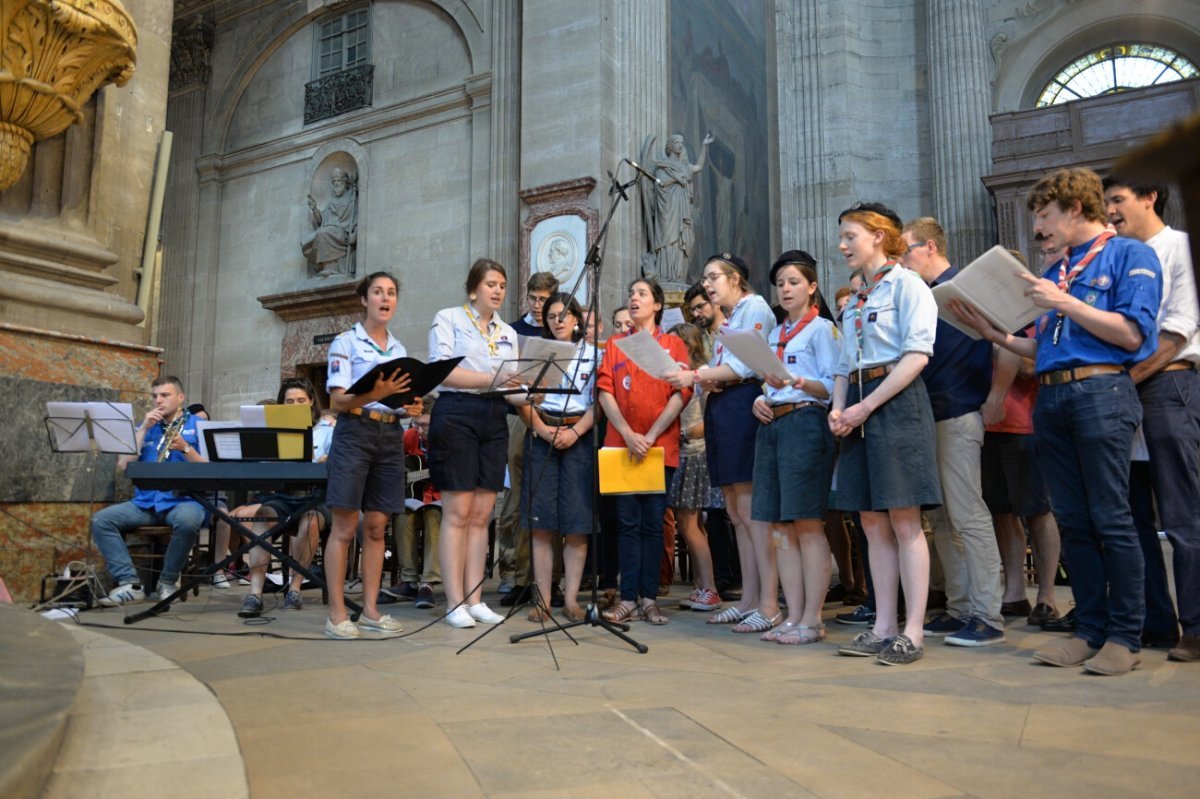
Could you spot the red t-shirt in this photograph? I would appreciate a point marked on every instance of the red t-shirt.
(414, 446)
(641, 397)
(1018, 407)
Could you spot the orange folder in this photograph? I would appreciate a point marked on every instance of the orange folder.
(620, 473)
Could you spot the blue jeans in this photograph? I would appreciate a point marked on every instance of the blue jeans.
(1084, 435)
(1160, 621)
(184, 520)
(640, 541)
(1171, 410)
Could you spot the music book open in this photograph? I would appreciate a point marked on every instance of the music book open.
(992, 285)
(620, 473)
(425, 378)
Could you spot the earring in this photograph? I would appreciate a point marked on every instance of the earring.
(471, 296)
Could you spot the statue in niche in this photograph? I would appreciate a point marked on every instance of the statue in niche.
(330, 249)
(667, 208)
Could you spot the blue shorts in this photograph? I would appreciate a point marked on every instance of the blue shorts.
(894, 465)
(1012, 479)
(366, 465)
(730, 430)
(793, 467)
(468, 442)
(557, 486)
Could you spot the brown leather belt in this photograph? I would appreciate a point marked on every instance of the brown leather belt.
(872, 373)
(1057, 377)
(1179, 366)
(749, 381)
(784, 408)
(374, 416)
(556, 421)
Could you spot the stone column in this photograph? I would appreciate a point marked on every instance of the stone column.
(504, 217)
(959, 101)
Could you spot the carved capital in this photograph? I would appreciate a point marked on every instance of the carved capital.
(55, 55)
(191, 51)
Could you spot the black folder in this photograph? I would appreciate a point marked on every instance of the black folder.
(425, 378)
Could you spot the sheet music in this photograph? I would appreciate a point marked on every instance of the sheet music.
(992, 285)
(202, 440)
(541, 349)
(672, 317)
(647, 353)
(751, 350)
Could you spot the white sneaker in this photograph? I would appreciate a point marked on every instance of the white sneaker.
(123, 594)
(482, 613)
(219, 580)
(384, 624)
(459, 617)
(164, 591)
(342, 631)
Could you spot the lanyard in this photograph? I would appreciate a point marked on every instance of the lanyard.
(489, 338)
(786, 335)
(1066, 278)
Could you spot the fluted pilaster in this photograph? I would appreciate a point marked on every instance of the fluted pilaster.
(504, 206)
(959, 102)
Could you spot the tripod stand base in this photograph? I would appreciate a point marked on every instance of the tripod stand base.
(591, 618)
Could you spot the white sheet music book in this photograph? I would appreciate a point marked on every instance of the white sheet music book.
(992, 284)
(112, 426)
(644, 350)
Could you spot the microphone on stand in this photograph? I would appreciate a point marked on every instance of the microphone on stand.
(642, 170)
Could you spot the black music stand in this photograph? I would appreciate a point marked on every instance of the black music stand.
(592, 615)
(262, 442)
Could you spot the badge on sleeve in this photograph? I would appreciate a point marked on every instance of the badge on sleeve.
(335, 366)
(871, 316)
(1103, 281)
(758, 325)
(1090, 299)
(791, 359)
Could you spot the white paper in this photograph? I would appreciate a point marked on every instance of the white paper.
(253, 416)
(992, 284)
(542, 349)
(112, 426)
(229, 446)
(672, 317)
(202, 440)
(750, 349)
(647, 353)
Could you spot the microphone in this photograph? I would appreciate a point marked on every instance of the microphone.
(642, 170)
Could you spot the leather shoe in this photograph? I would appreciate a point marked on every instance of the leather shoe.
(1187, 651)
(1063, 624)
(1113, 660)
(1013, 610)
(1152, 639)
(1041, 614)
(1072, 652)
(519, 593)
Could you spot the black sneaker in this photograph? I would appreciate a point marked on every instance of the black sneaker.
(976, 632)
(944, 624)
(424, 596)
(900, 651)
(518, 594)
(860, 616)
(401, 591)
(252, 607)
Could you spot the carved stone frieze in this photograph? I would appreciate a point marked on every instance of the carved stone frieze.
(191, 49)
(54, 55)
(335, 94)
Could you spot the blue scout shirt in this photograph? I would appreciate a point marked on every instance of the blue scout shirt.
(751, 313)
(812, 354)
(1125, 277)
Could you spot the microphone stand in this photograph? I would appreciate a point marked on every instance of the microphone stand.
(593, 267)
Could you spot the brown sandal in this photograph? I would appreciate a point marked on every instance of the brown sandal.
(574, 613)
(538, 615)
(621, 612)
(652, 614)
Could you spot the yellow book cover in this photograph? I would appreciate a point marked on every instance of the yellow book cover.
(621, 474)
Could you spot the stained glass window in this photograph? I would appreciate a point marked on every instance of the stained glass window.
(1117, 68)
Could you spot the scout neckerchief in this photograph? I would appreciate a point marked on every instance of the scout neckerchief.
(1066, 278)
(859, 334)
(489, 338)
(786, 334)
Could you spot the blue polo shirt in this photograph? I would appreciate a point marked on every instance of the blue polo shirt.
(959, 374)
(1125, 278)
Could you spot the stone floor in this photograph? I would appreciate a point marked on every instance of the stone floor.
(703, 713)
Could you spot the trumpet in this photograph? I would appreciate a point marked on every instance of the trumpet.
(170, 433)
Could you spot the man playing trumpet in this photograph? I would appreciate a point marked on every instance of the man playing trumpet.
(167, 433)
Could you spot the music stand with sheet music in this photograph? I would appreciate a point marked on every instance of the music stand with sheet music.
(91, 427)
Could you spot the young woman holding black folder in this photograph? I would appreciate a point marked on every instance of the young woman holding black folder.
(366, 458)
(468, 436)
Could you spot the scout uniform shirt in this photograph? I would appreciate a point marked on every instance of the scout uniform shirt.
(456, 331)
(352, 354)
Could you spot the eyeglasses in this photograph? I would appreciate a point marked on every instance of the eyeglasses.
(917, 244)
(534, 299)
(712, 277)
(698, 306)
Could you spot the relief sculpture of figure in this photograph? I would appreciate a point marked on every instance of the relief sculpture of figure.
(667, 208)
(335, 228)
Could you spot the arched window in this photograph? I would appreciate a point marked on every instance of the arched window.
(1116, 69)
